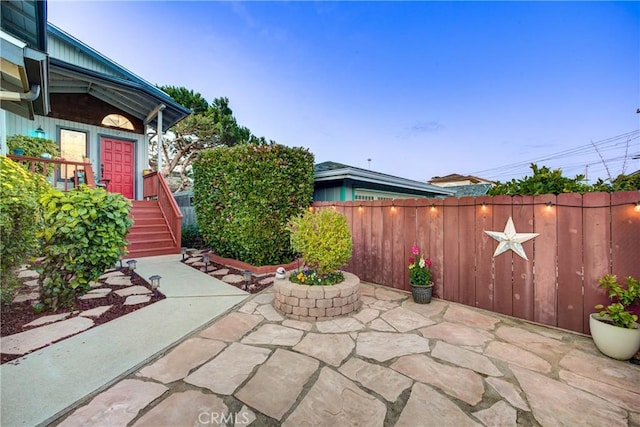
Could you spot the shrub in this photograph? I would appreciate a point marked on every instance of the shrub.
(84, 233)
(244, 196)
(34, 147)
(323, 238)
(20, 219)
(617, 312)
(191, 237)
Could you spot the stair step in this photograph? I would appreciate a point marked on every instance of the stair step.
(148, 228)
(146, 236)
(140, 253)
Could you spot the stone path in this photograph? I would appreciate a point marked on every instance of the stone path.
(392, 363)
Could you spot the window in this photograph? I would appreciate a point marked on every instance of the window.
(73, 147)
(117, 121)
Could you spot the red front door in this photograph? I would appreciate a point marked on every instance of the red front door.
(118, 160)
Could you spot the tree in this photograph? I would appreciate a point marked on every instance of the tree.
(209, 126)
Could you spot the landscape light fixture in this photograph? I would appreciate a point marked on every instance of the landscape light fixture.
(155, 284)
(183, 251)
(132, 263)
(120, 261)
(206, 257)
(247, 276)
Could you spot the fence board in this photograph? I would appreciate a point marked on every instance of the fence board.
(409, 212)
(436, 245)
(366, 272)
(597, 253)
(451, 236)
(376, 243)
(386, 257)
(545, 260)
(503, 263)
(523, 295)
(570, 275)
(485, 248)
(467, 249)
(397, 244)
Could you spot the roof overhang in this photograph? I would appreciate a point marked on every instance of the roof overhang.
(134, 98)
(356, 175)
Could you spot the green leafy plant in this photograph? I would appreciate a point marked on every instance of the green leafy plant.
(191, 237)
(34, 147)
(84, 233)
(419, 268)
(616, 313)
(244, 196)
(323, 238)
(20, 220)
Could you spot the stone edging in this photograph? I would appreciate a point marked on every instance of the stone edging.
(312, 303)
(262, 269)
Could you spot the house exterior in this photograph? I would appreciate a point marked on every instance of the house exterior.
(463, 185)
(89, 104)
(339, 182)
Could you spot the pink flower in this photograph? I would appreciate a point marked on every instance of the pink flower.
(411, 260)
(415, 250)
(428, 262)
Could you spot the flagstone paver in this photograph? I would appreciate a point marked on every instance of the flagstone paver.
(133, 290)
(470, 317)
(465, 358)
(330, 348)
(278, 382)
(431, 310)
(467, 386)
(509, 392)
(244, 418)
(500, 414)
(389, 295)
(96, 293)
(95, 312)
(542, 346)
(31, 283)
(264, 298)
(28, 274)
(366, 315)
(383, 305)
(367, 289)
(427, 407)
(232, 327)
(266, 281)
(517, 356)
(381, 325)
(457, 334)
(384, 381)
(116, 406)
(26, 297)
(48, 319)
(619, 397)
(271, 334)
(566, 405)
(603, 369)
(298, 324)
(229, 369)
(269, 313)
(404, 320)
(181, 360)
(136, 299)
(119, 281)
(233, 278)
(382, 346)
(336, 401)
(114, 273)
(221, 272)
(24, 342)
(188, 408)
(248, 308)
(339, 325)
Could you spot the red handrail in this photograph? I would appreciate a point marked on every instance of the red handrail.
(61, 165)
(155, 187)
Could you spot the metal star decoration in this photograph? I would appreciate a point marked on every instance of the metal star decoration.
(510, 240)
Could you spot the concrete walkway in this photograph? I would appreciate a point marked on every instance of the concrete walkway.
(394, 363)
(36, 389)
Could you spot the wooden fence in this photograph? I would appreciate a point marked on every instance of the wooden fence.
(582, 237)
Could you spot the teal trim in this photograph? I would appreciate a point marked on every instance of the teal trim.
(353, 194)
(343, 194)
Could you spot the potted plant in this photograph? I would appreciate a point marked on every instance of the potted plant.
(420, 277)
(615, 329)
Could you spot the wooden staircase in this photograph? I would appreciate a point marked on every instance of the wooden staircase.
(150, 234)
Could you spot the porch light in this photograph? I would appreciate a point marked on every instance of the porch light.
(183, 251)
(155, 284)
(41, 134)
(206, 257)
(247, 276)
(637, 208)
(132, 263)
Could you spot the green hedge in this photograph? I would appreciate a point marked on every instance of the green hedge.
(245, 195)
(34, 147)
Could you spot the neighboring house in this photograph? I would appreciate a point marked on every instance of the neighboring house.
(54, 85)
(463, 185)
(338, 182)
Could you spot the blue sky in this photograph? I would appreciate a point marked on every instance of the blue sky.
(422, 88)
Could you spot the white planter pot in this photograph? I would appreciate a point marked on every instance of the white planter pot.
(613, 341)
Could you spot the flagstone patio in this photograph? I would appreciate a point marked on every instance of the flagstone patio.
(392, 363)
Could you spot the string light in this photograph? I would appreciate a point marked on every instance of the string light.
(549, 204)
(637, 208)
(484, 206)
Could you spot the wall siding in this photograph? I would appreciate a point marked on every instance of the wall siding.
(582, 237)
(60, 50)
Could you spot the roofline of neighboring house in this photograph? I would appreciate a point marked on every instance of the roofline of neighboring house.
(358, 174)
(457, 177)
(133, 80)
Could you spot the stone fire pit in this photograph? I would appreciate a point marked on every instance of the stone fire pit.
(311, 303)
